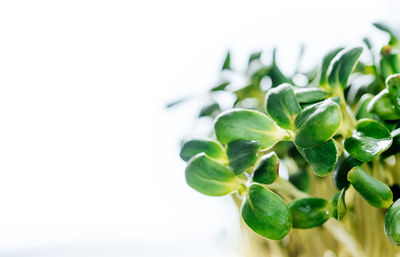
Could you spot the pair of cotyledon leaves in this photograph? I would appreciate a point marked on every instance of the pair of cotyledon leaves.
(245, 132)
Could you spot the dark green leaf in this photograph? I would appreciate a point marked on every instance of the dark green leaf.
(209, 177)
(209, 110)
(390, 61)
(362, 110)
(343, 166)
(220, 87)
(338, 205)
(195, 146)
(301, 180)
(282, 105)
(393, 84)
(247, 124)
(392, 223)
(322, 158)
(369, 139)
(267, 170)
(342, 66)
(317, 123)
(266, 213)
(309, 212)
(375, 192)
(242, 154)
(310, 94)
(227, 61)
(323, 80)
(383, 106)
(254, 56)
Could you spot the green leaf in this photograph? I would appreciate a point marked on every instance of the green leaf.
(209, 110)
(282, 105)
(317, 123)
(310, 94)
(266, 213)
(390, 61)
(242, 154)
(343, 166)
(362, 110)
(342, 66)
(393, 84)
(385, 28)
(309, 212)
(322, 158)
(369, 139)
(267, 170)
(392, 223)
(220, 87)
(227, 61)
(195, 146)
(247, 124)
(254, 56)
(326, 61)
(338, 205)
(209, 177)
(375, 192)
(383, 106)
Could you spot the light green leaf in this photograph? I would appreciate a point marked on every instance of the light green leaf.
(309, 212)
(227, 62)
(282, 106)
(209, 177)
(267, 170)
(310, 94)
(322, 158)
(242, 154)
(342, 66)
(247, 124)
(383, 106)
(317, 123)
(195, 146)
(338, 205)
(393, 84)
(266, 213)
(375, 192)
(369, 139)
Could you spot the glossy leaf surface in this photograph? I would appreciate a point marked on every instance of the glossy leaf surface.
(393, 84)
(317, 123)
(383, 106)
(392, 223)
(368, 140)
(342, 66)
(210, 177)
(267, 170)
(282, 105)
(242, 154)
(195, 146)
(343, 166)
(266, 213)
(375, 192)
(322, 158)
(247, 124)
(309, 212)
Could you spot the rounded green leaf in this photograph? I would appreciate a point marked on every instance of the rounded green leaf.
(309, 94)
(209, 177)
(369, 139)
(266, 213)
(321, 158)
(282, 106)
(195, 146)
(242, 154)
(317, 123)
(375, 192)
(309, 212)
(326, 61)
(383, 106)
(362, 110)
(247, 124)
(267, 170)
(393, 84)
(392, 223)
(343, 166)
(342, 66)
(338, 205)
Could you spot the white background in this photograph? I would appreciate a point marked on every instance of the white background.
(89, 156)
